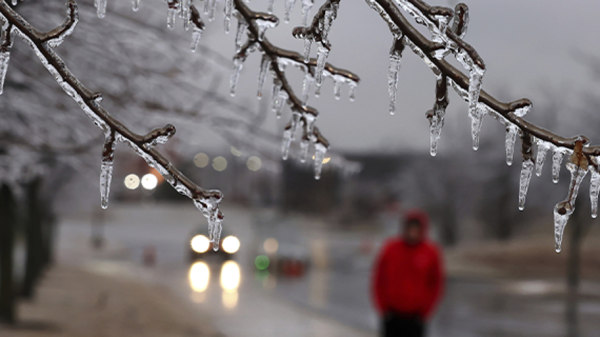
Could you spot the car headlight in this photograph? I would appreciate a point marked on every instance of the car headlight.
(200, 243)
(231, 244)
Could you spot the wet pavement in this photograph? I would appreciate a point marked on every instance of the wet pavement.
(331, 298)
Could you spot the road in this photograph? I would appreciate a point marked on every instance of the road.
(330, 299)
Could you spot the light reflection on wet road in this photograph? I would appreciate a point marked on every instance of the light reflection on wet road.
(331, 298)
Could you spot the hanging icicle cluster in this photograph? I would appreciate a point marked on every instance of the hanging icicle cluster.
(448, 28)
(253, 26)
(43, 44)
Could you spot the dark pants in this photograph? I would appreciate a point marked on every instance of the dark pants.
(398, 325)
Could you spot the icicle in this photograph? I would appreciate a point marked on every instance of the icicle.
(275, 94)
(135, 5)
(436, 115)
(476, 121)
(594, 191)
(352, 92)
(564, 209)
(171, 17)
(289, 4)
(322, 53)
(329, 16)
(238, 63)
(526, 172)
(106, 169)
(288, 135)
(14, 2)
(279, 102)
(210, 209)
(228, 12)
(320, 151)
(264, 66)
(511, 137)
(307, 45)
(100, 8)
(242, 26)
(304, 149)
(557, 159)
(306, 7)
(318, 91)
(541, 157)
(6, 44)
(270, 8)
(393, 73)
(184, 8)
(306, 85)
(196, 35)
(211, 9)
(337, 88)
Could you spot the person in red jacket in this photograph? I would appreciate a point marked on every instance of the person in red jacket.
(408, 279)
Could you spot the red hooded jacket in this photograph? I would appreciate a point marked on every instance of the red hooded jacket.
(408, 279)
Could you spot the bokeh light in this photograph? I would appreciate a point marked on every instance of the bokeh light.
(201, 160)
(200, 243)
(219, 164)
(262, 262)
(199, 276)
(235, 152)
(254, 163)
(271, 245)
(325, 160)
(230, 299)
(132, 181)
(149, 181)
(231, 244)
(230, 276)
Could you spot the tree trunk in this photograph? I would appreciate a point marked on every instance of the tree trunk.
(7, 237)
(33, 234)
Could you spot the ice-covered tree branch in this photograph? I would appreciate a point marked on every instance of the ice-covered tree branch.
(43, 45)
(448, 40)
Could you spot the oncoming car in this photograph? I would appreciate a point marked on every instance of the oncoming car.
(200, 247)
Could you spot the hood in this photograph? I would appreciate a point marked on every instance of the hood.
(421, 217)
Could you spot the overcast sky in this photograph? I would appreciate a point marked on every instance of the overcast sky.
(530, 48)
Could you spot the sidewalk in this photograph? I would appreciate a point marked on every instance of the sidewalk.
(72, 302)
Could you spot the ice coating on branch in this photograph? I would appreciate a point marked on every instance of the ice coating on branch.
(511, 138)
(526, 173)
(564, 209)
(320, 151)
(304, 149)
(557, 159)
(106, 169)
(228, 12)
(242, 26)
(476, 121)
(265, 63)
(135, 5)
(306, 85)
(322, 53)
(264, 24)
(238, 63)
(394, 72)
(542, 150)
(594, 191)
(289, 4)
(100, 8)
(306, 7)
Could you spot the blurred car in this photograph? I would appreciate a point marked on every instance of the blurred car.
(200, 246)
